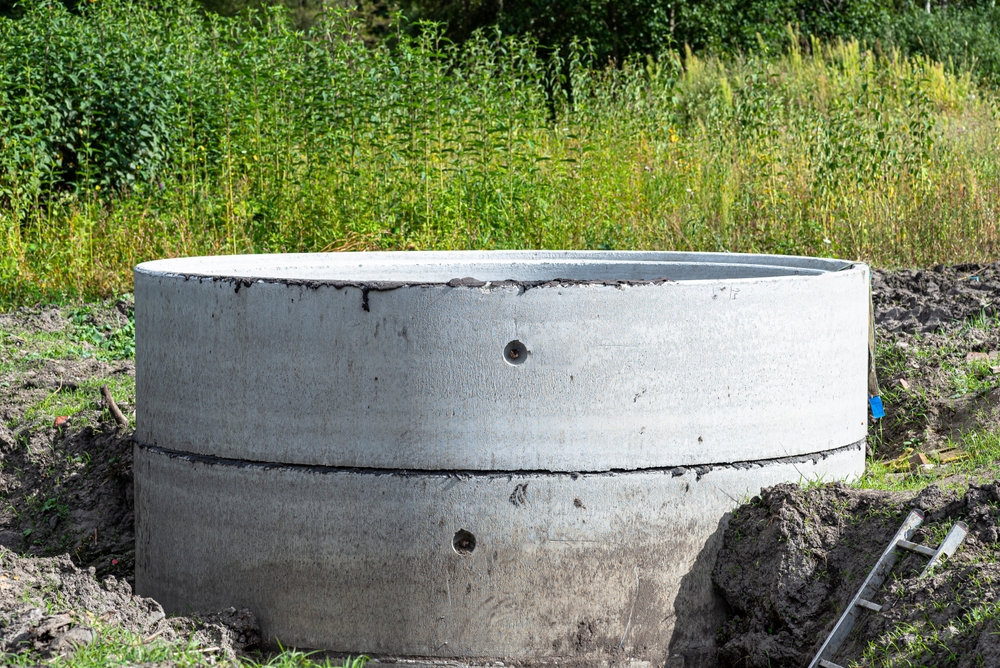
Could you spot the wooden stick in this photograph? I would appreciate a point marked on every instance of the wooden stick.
(109, 401)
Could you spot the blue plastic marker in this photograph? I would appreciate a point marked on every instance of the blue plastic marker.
(878, 411)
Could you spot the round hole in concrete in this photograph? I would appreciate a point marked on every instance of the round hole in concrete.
(463, 542)
(515, 353)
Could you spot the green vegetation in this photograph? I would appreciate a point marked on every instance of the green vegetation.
(961, 31)
(114, 646)
(74, 396)
(913, 644)
(130, 134)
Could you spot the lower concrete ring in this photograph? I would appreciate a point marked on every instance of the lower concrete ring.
(529, 566)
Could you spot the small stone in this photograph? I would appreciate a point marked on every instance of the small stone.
(51, 625)
(977, 357)
(71, 640)
(903, 384)
(902, 345)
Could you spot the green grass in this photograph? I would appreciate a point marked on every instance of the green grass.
(911, 644)
(983, 464)
(243, 135)
(115, 646)
(84, 397)
(82, 338)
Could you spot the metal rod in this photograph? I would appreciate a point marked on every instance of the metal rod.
(948, 546)
(868, 605)
(868, 589)
(915, 547)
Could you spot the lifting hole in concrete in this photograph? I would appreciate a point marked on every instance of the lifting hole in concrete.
(463, 542)
(515, 353)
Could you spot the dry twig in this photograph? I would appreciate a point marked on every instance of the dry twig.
(109, 401)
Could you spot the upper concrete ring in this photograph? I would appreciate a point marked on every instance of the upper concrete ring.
(501, 361)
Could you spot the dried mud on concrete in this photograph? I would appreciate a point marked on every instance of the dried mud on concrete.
(791, 558)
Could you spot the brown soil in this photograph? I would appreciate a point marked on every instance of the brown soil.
(938, 356)
(793, 558)
(928, 300)
(67, 543)
(78, 603)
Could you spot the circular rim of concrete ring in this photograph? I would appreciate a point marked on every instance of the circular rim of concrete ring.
(768, 361)
(443, 267)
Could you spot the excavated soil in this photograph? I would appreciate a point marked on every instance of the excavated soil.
(927, 300)
(790, 561)
(793, 558)
(938, 356)
(48, 606)
(67, 543)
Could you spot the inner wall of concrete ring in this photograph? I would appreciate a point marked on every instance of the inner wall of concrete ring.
(572, 566)
(618, 377)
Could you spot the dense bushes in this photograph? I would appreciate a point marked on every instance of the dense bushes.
(962, 31)
(128, 133)
(88, 103)
(966, 38)
(618, 29)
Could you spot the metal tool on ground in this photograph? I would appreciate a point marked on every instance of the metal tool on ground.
(862, 600)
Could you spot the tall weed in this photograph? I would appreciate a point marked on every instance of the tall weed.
(234, 135)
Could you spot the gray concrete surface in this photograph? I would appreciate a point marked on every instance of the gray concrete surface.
(345, 444)
(618, 376)
(569, 566)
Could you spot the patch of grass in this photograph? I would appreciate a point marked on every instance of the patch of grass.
(106, 341)
(115, 646)
(85, 396)
(90, 332)
(298, 659)
(82, 337)
(983, 463)
(912, 644)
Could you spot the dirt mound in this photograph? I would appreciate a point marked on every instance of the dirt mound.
(65, 467)
(793, 558)
(49, 606)
(70, 491)
(929, 300)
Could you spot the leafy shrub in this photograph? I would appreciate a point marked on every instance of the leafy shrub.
(262, 138)
(91, 101)
(967, 38)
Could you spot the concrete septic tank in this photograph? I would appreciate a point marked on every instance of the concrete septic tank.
(504, 455)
